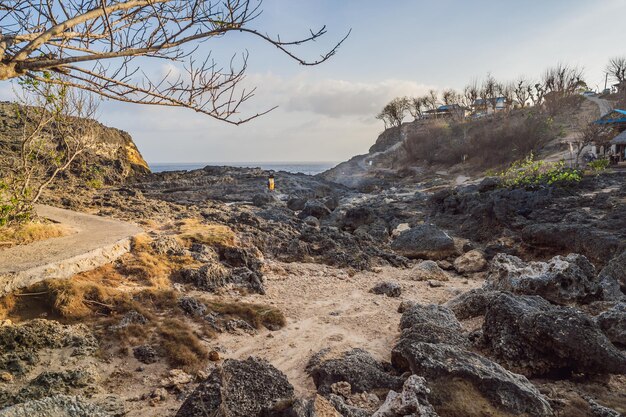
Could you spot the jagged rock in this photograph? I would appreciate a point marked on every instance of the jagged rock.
(145, 354)
(424, 241)
(390, 289)
(538, 338)
(192, 306)
(358, 216)
(562, 280)
(167, 245)
(347, 410)
(430, 323)
(250, 388)
(356, 367)
(613, 323)
(262, 200)
(316, 407)
(57, 406)
(472, 261)
(48, 384)
(213, 276)
(428, 270)
(296, 203)
(312, 221)
(204, 253)
(450, 369)
(405, 305)
(316, 209)
(615, 270)
(471, 304)
(601, 411)
(412, 401)
(20, 343)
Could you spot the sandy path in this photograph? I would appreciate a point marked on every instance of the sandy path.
(326, 308)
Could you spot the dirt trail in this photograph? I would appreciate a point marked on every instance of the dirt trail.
(325, 308)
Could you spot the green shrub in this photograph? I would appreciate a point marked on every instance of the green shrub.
(95, 183)
(598, 165)
(529, 173)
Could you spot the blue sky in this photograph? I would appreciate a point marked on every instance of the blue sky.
(401, 47)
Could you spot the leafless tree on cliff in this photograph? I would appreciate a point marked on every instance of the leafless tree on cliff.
(523, 90)
(489, 91)
(590, 134)
(394, 112)
(102, 46)
(471, 93)
(417, 106)
(56, 127)
(616, 68)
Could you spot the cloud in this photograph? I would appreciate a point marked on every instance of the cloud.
(333, 98)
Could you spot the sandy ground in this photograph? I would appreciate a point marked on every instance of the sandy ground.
(327, 308)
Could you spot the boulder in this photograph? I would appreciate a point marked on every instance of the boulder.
(461, 379)
(358, 216)
(316, 209)
(296, 203)
(263, 199)
(539, 338)
(432, 324)
(145, 354)
(615, 270)
(213, 276)
(250, 388)
(472, 261)
(471, 304)
(613, 324)
(425, 241)
(412, 401)
(561, 280)
(57, 406)
(390, 289)
(356, 367)
(428, 270)
(311, 221)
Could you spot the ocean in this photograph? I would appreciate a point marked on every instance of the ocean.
(309, 168)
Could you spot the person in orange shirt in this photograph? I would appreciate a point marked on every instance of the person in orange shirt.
(270, 183)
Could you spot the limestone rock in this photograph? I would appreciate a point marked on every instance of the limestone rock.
(472, 261)
(356, 367)
(425, 241)
(562, 280)
(390, 289)
(412, 401)
(428, 270)
(250, 388)
(613, 324)
(538, 338)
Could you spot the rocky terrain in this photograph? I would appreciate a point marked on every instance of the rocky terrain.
(324, 299)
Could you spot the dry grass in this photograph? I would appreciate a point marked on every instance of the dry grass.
(193, 231)
(182, 346)
(256, 314)
(31, 232)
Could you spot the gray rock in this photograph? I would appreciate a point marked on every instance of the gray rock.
(562, 280)
(346, 410)
(448, 367)
(425, 241)
(432, 324)
(390, 289)
(312, 221)
(356, 367)
(316, 209)
(296, 203)
(405, 305)
(167, 245)
(192, 306)
(538, 338)
(145, 354)
(602, 411)
(358, 216)
(613, 324)
(471, 304)
(428, 270)
(412, 401)
(57, 406)
(472, 261)
(262, 200)
(250, 388)
(615, 270)
(213, 276)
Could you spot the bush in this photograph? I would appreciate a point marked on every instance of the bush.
(598, 165)
(486, 143)
(529, 173)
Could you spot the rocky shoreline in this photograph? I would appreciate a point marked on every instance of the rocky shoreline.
(466, 300)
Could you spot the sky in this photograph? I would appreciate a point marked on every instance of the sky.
(396, 48)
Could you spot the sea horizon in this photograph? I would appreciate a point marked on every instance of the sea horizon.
(308, 168)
